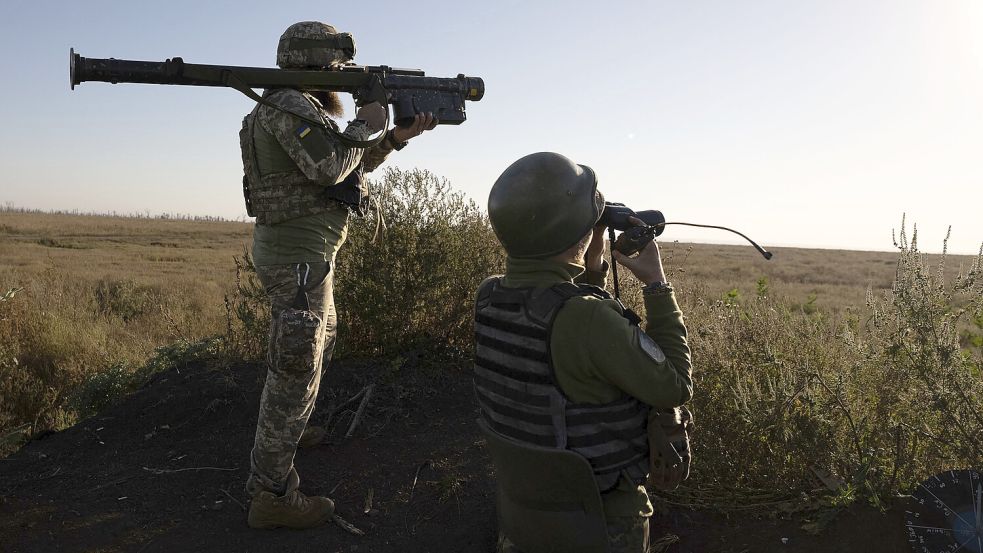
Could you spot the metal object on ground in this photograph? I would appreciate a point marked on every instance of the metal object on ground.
(947, 514)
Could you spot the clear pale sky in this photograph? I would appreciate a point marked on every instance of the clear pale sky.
(807, 123)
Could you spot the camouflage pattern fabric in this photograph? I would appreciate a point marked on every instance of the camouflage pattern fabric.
(288, 56)
(317, 158)
(669, 449)
(302, 337)
(625, 535)
(374, 156)
(318, 155)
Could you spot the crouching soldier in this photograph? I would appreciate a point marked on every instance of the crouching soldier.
(558, 362)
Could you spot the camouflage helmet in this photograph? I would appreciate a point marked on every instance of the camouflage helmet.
(543, 204)
(311, 44)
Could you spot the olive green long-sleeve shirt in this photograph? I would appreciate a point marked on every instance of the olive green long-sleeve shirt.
(598, 356)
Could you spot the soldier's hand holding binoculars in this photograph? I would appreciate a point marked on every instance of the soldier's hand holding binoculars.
(594, 257)
(647, 265)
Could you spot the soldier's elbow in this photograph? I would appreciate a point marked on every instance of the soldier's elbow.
(685, 392)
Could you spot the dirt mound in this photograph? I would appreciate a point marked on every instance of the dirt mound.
(164, 471)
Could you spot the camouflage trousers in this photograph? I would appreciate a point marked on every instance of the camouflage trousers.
(302, 333)
(625, 535)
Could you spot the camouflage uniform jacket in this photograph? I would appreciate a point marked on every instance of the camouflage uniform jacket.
(291, 162)
(288, 160)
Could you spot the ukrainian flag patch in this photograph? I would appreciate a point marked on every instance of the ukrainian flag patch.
(303, 131)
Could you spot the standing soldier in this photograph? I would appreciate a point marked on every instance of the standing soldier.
(562, 365)
(301, 181)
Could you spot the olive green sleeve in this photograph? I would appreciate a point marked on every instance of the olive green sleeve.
(597, 278)
(664, 324)
(593, 345)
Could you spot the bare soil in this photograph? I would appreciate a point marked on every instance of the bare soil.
(164, 471)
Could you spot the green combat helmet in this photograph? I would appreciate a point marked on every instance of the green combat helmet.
(312, 44)
(543, 204)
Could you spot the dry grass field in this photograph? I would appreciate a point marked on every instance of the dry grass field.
(861, 364)
(119, 287)
(141, 282)
(187, 267)
(830, 280)
(90, 294)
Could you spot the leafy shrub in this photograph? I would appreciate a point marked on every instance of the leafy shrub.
(108, 387)
(762, 288)
(124, 299)
(931, 387)
(101, 390)
(413, 284)
(783, 397)
(405, 283)
(41, 356)
(247, 314)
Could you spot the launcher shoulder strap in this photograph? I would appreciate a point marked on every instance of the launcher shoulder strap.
(233, 81)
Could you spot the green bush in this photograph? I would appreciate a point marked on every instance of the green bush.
(41, 360)
(247, 313)
(931, 388)
(124, 299)
(101, 390)
(406, 283)
(413, 284)
(782, 397)
(108, 387)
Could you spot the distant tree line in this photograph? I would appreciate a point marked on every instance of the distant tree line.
(9, 207)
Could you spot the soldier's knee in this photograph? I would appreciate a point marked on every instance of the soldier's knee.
(297, 340)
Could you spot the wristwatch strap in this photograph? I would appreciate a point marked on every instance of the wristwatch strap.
(657, 288)
(391, 140)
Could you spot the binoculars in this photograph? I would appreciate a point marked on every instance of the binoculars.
(616, 216)
(633, 237)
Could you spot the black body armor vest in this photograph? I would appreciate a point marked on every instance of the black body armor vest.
(518, 394)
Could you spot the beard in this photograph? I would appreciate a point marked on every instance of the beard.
(330, 102)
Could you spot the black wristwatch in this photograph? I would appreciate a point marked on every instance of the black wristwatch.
(391, 139)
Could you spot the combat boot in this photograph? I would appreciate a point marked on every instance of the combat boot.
(291, 510)
(312, 436)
